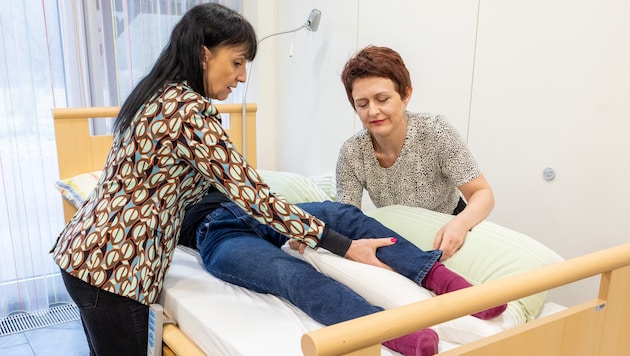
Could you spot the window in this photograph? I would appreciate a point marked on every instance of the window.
(60, 54)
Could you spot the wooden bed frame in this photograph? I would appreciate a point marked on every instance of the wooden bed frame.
(598, 327)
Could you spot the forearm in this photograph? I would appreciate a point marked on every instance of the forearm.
(478, 207)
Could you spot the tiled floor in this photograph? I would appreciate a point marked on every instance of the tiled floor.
(65, 339)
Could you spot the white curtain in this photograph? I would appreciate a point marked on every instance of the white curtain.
(60, 53)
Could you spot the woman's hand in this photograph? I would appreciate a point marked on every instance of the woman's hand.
(297, 246)
(450, 238)
(480, 201)
(363, 250)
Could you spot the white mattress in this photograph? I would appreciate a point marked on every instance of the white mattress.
(224, 319)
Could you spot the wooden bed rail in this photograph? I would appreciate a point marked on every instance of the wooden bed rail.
(608, 316)
(75, 125)
(95, 111)
(88, 153)
(112, 111)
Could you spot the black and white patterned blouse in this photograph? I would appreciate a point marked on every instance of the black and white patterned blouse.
(433, 162)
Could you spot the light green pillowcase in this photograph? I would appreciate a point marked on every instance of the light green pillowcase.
(490, 251)
(328, 184)
(294, 187)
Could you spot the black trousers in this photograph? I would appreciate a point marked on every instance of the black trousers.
(113, 324)
(461, 205)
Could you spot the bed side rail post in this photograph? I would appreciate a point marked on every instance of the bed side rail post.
(615, 290)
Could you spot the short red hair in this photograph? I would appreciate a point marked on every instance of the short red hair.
(374, 61)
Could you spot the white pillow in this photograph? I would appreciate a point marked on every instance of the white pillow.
(388, 290)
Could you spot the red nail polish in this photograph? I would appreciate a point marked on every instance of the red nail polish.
(394, 239)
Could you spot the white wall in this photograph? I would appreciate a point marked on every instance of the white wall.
(317, 119)
(263, 80)
(529, 85)
(552, 89)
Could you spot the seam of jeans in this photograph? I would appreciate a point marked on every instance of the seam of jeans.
(244, 283)
(436, 254)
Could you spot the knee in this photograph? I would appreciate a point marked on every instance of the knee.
(340, 208)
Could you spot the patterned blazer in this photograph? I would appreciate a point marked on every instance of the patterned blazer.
(123, 238)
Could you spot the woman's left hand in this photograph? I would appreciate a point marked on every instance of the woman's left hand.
(480, 201)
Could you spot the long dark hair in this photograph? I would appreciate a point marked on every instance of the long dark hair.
(211, 25)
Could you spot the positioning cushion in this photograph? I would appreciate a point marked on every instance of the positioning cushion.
(388, 290)
(490, 252)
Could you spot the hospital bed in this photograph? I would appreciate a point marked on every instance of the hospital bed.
(208, 316)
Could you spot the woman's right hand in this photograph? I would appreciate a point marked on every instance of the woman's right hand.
(297, 246)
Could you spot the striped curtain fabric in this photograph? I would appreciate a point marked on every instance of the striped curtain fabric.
(60, 53)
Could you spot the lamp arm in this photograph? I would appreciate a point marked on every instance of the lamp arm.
(281, 33)
(244, 103)
(311, 24)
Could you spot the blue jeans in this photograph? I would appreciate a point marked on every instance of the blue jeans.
(113, 324)
(238, 249)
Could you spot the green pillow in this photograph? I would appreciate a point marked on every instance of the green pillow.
(490, 251)
(294, 187)
(328, 184)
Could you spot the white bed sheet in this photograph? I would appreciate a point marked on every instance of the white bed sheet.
(224, 319)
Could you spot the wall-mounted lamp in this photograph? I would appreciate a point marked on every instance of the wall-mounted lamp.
(311, 24)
